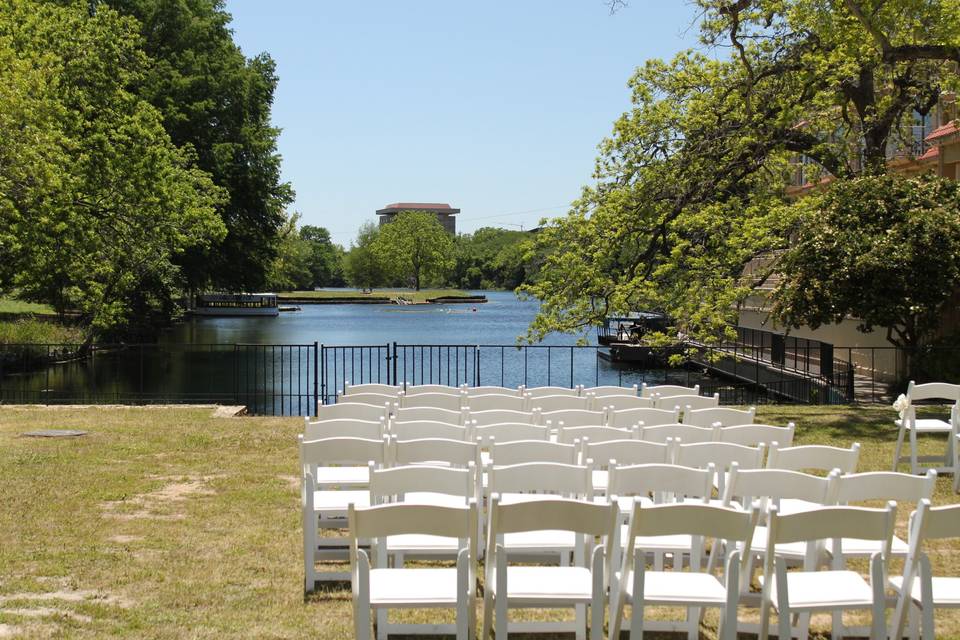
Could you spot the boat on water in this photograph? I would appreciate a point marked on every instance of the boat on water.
(236, 304)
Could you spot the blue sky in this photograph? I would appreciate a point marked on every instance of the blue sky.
(495, 107)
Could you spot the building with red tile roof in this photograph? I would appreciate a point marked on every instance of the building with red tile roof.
(442, 210)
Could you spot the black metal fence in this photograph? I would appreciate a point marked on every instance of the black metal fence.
(291, 379)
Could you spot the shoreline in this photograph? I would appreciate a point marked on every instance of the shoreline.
(376, 299)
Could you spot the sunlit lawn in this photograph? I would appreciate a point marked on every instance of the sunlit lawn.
(12, 305)
(170, 523)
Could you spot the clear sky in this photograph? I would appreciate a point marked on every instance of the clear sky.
(494, 106)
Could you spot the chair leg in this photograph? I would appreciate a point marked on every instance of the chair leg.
(581, 621)
(784, 632)
(381, 618)
(636, 609)
(898, 449)
(914, 465)
(501, 599)
(693, 623)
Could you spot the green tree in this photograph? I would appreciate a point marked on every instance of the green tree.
(326, 258)
(361, 264)
(883, 249)
(291, 270)
(689, 188)
(96, 201)
(414, 247)
(218, 101)
(489, 258)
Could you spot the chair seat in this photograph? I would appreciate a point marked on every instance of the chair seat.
(855, 547)
(413, 587)
(601, 478)
(946, 591)
(332, 503)
(546, 585)
(817, 590)
(343, 476)
(542, 540)
(789, 550)
(680, 587)
(421, 542)
(926, 425)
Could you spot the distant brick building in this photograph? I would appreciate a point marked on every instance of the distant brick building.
(443, 211)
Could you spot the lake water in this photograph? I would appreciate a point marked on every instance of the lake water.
(271, 365)
(499, 321)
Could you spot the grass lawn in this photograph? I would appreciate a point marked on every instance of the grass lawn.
(171, 523)
(417, 296)
(12, 305)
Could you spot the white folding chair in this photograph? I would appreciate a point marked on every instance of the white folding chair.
(325, 507)
(723, 455)
(650, 484)
(522, 451)
(573, 418)
(596, 434)
(431, 414)
(418, 430)
(381, 588)
(771, 487)
(448, 401)
(811, 457)
(546, 404)
(413, 390)
(619, 403)
(530, 482)
(909, 423)
(807, 591)
(353, 411)
(719, 415)
(492, 401)
(648, 417)
(343, 428)
(683, 432)
(492, 389)
(926, 591)
(665, 390)
(424, 484)
(694, 589)
(622, 452)
(372, 387)
(543, 587)
(751, 435)
(687, 403)
(540, 392)
(497, 416)
(609, 390)
(342, 476)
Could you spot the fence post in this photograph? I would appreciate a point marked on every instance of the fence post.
(476, 360)
(317, 398)
(394, 361)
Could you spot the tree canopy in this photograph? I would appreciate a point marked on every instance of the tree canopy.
(96, 201)
(690, 185)
(361, 264)
(414, 247)
(215, 100)
(882, 249)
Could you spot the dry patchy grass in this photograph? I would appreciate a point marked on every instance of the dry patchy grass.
(172, 523)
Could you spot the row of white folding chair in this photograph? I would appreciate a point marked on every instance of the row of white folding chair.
(860, 524)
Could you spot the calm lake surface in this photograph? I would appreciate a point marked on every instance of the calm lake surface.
(499, 321)
(271, 366)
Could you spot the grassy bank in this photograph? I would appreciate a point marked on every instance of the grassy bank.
(417, 296)
(170, 523)
(28, 330)
(12, 305)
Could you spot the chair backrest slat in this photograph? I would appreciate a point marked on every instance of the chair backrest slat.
(509, 432)
(398, 519)
(833, 522)
(594, 434)
(885, 485)
(541, 477)
(722, 415)
(573, 418)
(436, 450)
(541, 392)
(373, 387)
(666, 390)
(376, 399)
(496, 416)
(342, 451)
(343, 428)
(492, 401)
(753, 434)
(353, 411)
(593, 519)
(816, 457)
(421, 429)
(684, 432)
(607, 390)
(557, 402)
(688, 402)
(626, 452)
(395, 481)
(431, 414)
(522, 451)
(647, 417)
(450, 402)
(694, 519)
(643, 479)
(443, 389)
(722, 454)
